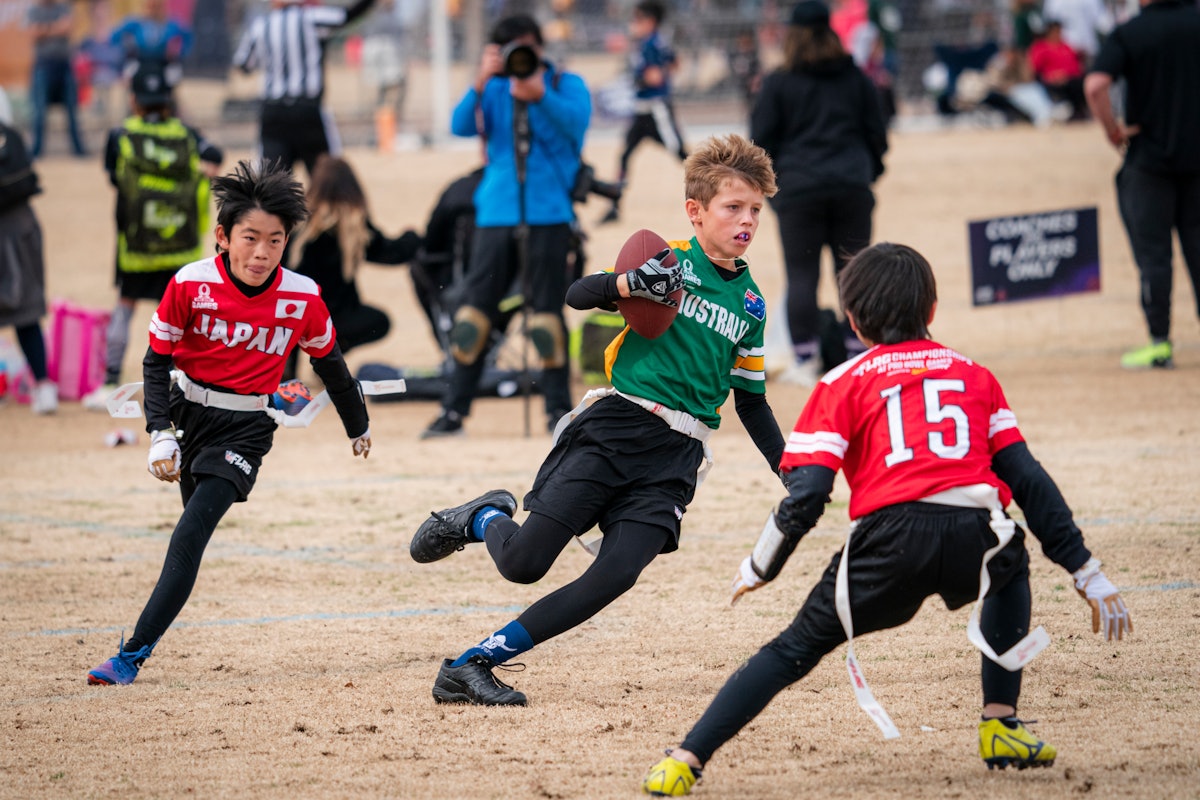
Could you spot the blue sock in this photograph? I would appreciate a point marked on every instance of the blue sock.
(482, 517)
(508, 642)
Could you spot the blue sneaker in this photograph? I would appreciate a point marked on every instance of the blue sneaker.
(122, 668)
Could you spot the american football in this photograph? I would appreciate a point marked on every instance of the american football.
(648, 318)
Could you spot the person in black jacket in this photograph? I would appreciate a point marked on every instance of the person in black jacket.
(338, 237)
(819, 118)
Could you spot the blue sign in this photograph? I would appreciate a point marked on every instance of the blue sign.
(1048, 254)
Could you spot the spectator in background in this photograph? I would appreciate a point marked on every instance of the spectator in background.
(557, 110)
(161, 170)
(53, 80)
(745, 65)
(1157, 54)
(652, 63)
(1027, 24)
(22, 267)
(1083, 22)
(293, 125)
(153, 36)
(385, 68)
(1056, 65)
(337, 238)
(819, 118)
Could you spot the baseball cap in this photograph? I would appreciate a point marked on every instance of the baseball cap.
(810, 12)
(149, 86)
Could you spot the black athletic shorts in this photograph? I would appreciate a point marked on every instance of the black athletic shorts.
(228, 444)
(144, 285)
(899, 556)
(616, 461)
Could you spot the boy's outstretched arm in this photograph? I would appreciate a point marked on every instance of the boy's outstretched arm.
(1050, 520)
(347, 398)
(808, 493)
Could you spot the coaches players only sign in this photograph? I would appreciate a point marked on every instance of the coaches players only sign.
(1037, 255)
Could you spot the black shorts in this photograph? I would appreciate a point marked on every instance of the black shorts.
(144, 285)
(227, 444)
(899, 556)
(614, 462)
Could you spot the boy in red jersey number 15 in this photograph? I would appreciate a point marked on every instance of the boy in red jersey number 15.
(227, 324)
(932, 455)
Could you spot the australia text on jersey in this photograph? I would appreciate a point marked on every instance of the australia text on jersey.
(715, 317)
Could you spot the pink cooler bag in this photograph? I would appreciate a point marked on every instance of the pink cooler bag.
(75, 357)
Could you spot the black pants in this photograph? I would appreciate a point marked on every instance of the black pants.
(839, 220)
(658, 124)
(494, 274)
(1152, 205)
(296, 130)
(899, 556)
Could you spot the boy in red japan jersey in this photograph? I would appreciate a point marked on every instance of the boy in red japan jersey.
(227, 324)
(932, 455)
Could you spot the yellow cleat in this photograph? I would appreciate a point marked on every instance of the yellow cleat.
(1008, 741)
(671, 778)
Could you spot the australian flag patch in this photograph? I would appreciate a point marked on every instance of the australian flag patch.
(756, 306)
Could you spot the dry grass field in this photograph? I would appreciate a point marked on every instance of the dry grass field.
(302, 665)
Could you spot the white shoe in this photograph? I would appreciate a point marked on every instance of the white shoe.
(801, 373)
(45, 397)
(96, 399)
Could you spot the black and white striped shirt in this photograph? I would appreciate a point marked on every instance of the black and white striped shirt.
(288, 44)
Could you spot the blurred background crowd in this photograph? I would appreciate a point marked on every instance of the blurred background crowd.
(998, 61)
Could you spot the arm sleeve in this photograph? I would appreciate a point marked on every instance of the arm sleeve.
(383, 249)
(245, 57)
(1046, 511)
(357, 10)
(343, 390)
(808, 493)
(463, 121)
(759, 421)
(156, 390)
(111, 151)
(875, 129)
(594, 291)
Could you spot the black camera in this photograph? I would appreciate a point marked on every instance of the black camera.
(586, 184)
(520, 60)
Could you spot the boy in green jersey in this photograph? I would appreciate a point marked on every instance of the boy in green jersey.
(631, 461)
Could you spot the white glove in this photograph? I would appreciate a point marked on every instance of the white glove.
(163, 461)
(362, 445)
(1108, 609)
(746, 580)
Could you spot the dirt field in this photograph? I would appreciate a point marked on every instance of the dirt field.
(302, 665)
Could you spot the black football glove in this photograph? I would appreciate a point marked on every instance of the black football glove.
(655, 280)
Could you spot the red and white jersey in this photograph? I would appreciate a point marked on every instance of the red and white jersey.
(221, 337)
(905, 421)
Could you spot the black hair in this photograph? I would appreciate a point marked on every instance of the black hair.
(890, 291)
(653, 9)
(515, 27)
(267, 186)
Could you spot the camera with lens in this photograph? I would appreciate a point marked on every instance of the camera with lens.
(587, 184)
(520, 60)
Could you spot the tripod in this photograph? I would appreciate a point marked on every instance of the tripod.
(522, 141)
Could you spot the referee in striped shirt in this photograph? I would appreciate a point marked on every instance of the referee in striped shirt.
(288, 44)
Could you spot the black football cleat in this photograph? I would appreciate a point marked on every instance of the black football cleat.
(449, 530)
(474, 683)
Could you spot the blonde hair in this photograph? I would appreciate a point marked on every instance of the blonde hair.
(723, 158)
(336, 202)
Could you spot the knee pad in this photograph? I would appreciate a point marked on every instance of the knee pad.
(469, 334)
(549, 339)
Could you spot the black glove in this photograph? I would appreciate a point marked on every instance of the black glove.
(656, 281)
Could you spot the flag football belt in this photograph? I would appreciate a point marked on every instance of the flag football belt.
(979, 495)
(680, 421)
(121, 405)
(213, 398)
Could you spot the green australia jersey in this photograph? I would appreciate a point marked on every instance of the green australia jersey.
(714, 344)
